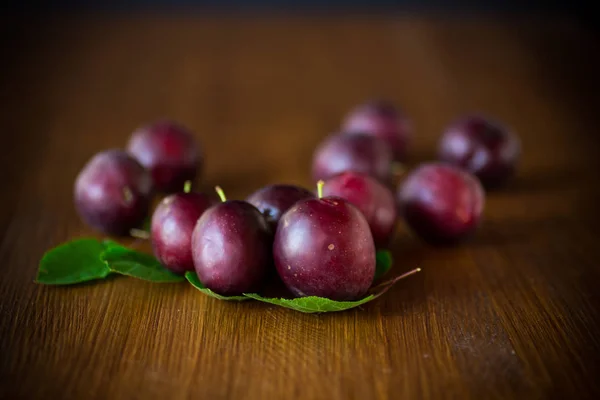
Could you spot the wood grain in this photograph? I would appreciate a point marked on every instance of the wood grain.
(512, 314)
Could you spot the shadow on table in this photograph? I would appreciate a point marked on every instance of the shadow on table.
(407, 295)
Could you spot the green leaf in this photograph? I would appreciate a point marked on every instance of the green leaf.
(73, 262)
(312, 304)
(124, 261)
(192, 278)
(109, 244)
(383, 264)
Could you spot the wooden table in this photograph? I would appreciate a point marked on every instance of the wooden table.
(511, 314)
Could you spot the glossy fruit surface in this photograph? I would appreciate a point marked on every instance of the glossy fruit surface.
(169, 151)
(324, 247)
(441, 203)
(359, 153)
(231, 248)
(171, 230)
(373, 199)
(112, 192)
(483, 147)
(273, 200)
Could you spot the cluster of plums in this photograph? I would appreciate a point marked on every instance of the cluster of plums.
(321, 244)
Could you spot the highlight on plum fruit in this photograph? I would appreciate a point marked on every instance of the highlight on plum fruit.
(324, 247)
(273, 200)
(382, 119)
(441, 203)
(169, 151)
(172, 224)
(483, 147)
(112, 192)
(373, 199)
(358, 152)
(231, 247)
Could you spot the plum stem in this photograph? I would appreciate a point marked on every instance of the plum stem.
(139, 234)
(320, 185)
(187, 186)
(390, 282)
(409, 273)
(221, 193)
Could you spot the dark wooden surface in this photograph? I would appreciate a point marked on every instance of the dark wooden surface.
(511, 314)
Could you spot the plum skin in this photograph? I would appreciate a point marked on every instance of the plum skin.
(274, 200)
(171, 228)
(231, 248)
(381, 119)
(112, 192)
(324, 247)
(169, 151)
(358, 152)
(374, 200)
(441, 203)
(483, 147)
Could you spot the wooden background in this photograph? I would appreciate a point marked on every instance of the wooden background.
(512, 314)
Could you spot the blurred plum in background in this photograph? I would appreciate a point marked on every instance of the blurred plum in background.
(169, 151)
(382, 119)
(483, 147)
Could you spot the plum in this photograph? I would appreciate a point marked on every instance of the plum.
(359, 152)
(441, 203)
(274, 200)
(172, 225)
(373, 199)
(324, 247)
(169, 151)
(483, 147)
(381, 119)
(231, 247)
(112, 192)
